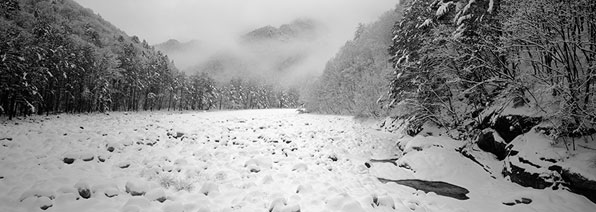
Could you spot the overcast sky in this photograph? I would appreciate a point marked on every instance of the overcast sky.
(218, 20)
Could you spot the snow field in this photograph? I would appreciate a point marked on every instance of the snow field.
(266, 160)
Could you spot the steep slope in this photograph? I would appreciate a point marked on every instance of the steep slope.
(57, 56)
(356, 77)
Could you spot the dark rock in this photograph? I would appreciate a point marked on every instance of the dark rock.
(101, 159)
(509, 203)
(560, 176)
(522, 160)
(549, 160)
(88, 159)
(513, 153)
(417, 148)
(555, 168)
(45, 207)
(110, 149)
(523, 200)
(413, 131)
(510, 126)
(161, 199)
(440, 188)
(522, 177)
(486, 141)
(526, 200)
(580, 185)
(68, 160)
(85, 193)
(367, 165)
(375, 201)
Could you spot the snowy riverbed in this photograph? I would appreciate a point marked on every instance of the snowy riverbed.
(263, 160)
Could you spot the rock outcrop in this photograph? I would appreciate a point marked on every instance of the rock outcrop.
(533, 160)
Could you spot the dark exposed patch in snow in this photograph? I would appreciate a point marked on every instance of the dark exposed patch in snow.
(440, 188)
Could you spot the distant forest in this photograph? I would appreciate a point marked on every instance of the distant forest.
(57, 56)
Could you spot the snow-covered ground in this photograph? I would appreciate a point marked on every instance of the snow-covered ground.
(262, 160)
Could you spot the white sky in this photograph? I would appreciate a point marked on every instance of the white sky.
(221, 20)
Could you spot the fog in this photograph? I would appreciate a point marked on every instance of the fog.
(218, 26)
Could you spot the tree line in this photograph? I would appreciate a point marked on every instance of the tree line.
(57, 56)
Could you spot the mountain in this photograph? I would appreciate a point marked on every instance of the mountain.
(301, 29)
(185, 54)
(174, 45)
(276, 54)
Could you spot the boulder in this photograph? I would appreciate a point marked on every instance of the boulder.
(526, 178)
(487, 142)
(580, 184)
(83, 189)
(157, 194)
(510, 126)
(135, 188)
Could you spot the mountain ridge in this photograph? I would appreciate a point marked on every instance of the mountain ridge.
(298, 29)
(266, 52)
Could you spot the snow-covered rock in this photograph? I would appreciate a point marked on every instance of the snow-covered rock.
(156, 194)
(136, 188)
(537, 161)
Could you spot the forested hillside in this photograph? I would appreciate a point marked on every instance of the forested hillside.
(459, 63)
(57, 56)
(357, 76)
